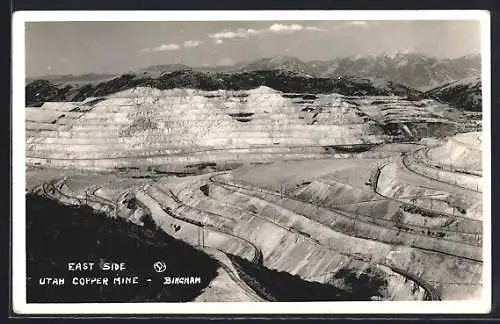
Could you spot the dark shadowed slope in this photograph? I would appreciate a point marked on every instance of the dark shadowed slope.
(40, 91)
(463, 94)
(58, 234)
(414, 70)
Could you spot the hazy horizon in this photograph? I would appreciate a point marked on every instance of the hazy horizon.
(63, 48)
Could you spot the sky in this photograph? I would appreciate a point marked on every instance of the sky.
(118, 47)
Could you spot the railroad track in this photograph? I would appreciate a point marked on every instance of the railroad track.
(191, 152)
(48, 189)
(257, 255)
(468, 145)
(375, 185)
(101, 198)
(181, 203)
(384, 198)
(341, 212)
(242, 284)
(234, 276)
(257, 258)
(475, 173)
(405, 163)
(371, 239)
(431, 291)
(350, 154)
(51, 186)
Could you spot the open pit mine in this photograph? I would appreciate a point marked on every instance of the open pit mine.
(378, 193)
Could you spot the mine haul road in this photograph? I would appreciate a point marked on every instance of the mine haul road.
(431, 291)
(463, 190)
(51, 186)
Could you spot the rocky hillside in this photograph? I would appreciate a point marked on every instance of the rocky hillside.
(414, 70)
(281, 62)
(411, 69)
(40, 91)
(464, 94)
(82, 78)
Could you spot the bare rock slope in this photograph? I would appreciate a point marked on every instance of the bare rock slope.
(148, 127)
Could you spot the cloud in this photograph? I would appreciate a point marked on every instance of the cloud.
(358, 23)
(314, 28)
(239, 33)
(280, 28)
(172, 47)
(230, 34)
(252, 31)
(225, 35)
(192, 43)
(274, 28)
(161, 48)
(354, 23)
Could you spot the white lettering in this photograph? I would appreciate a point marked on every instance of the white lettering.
(113, 266)
(51, 281)
(125, 280)
(85, 281)
(80, 266)
(181, 280)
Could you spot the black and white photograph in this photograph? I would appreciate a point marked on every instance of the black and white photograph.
(251, 162)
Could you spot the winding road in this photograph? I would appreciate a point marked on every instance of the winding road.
(47, 188)
(438, 213)
(376, 220)
(431, 291)
(464, 190)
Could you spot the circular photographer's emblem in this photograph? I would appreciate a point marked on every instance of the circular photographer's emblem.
(160, 266)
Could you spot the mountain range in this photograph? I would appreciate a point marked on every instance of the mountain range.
(40, 91)
(412, 69)
(415, 70)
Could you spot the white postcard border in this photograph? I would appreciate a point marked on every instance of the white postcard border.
(371, 307)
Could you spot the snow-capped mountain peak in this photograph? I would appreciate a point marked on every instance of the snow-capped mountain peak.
(397, 54)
